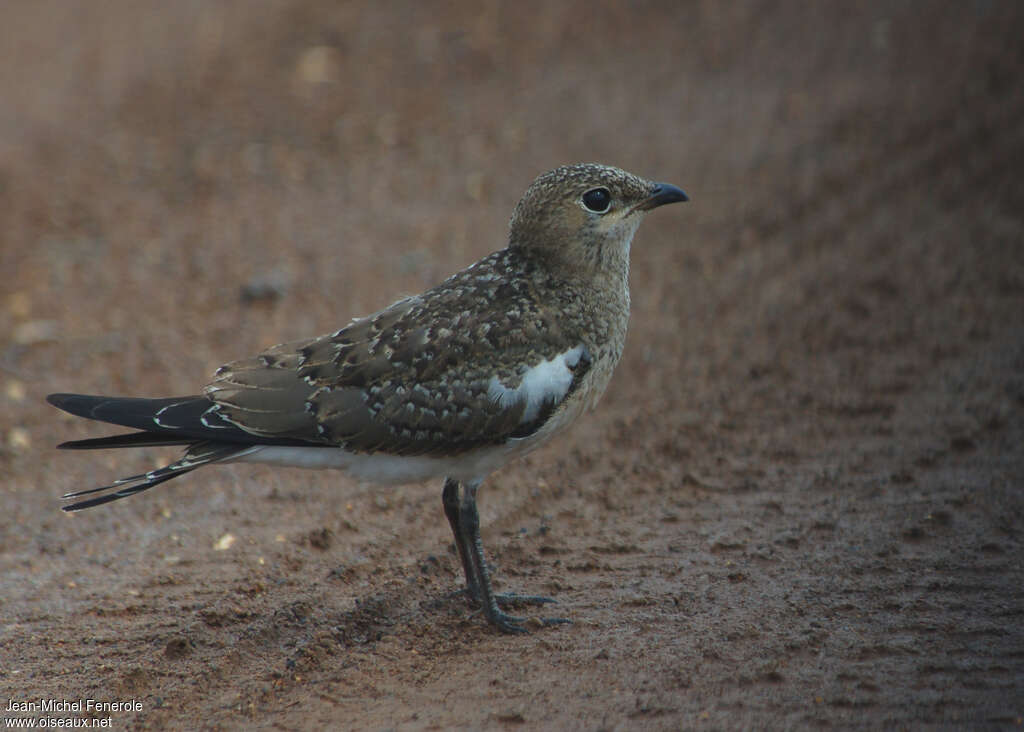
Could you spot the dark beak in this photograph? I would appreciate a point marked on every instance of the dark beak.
(661, 194)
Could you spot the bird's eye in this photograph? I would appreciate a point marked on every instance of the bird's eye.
(598, 200)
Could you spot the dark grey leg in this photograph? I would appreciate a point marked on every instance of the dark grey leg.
(469, 527)
(465, 522)
(450, 498)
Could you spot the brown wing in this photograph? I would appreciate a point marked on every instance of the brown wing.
(413, 379)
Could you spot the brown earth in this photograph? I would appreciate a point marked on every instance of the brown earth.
(800, 503)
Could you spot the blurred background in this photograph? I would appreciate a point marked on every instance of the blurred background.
(832, 326)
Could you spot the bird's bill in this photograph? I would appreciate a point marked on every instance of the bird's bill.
(663, 193)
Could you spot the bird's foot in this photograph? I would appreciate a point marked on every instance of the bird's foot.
(512, 624)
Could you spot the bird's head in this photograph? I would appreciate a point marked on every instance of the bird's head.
(584, 216)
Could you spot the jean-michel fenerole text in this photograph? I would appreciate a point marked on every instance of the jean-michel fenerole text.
(84, 706)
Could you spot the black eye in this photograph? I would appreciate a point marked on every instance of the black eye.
(597, 200)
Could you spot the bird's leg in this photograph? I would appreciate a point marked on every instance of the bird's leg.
(469, 528)
(450, 498)
(465, 522)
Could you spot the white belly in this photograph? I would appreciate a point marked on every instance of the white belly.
(383, 468)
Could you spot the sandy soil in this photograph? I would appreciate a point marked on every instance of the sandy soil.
(800, 503)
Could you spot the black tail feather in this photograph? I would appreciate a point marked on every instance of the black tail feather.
(132, 439)
(148, 483)
(194, 421)
(140, 414)
(199, 454)
(171, 421)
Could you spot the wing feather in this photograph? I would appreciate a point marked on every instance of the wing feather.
(417, 378)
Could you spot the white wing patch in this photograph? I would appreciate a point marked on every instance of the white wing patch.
(548, 381)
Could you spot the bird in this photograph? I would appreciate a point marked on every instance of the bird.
(449, 384)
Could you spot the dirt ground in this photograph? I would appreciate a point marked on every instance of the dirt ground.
(800, 503)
